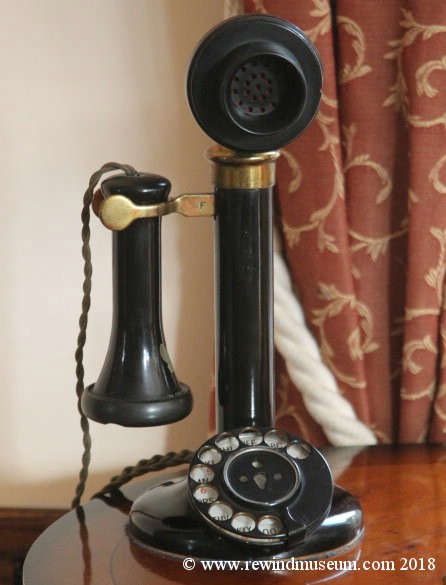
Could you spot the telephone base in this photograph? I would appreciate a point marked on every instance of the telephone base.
(162, 520)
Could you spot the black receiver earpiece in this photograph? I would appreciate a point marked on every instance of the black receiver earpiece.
(254, 83)
(137, 386)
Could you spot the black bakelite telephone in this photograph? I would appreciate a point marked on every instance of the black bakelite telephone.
(252, 490)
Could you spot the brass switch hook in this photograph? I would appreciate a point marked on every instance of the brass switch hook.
(117, 212)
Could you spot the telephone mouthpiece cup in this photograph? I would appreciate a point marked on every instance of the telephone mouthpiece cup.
(254, 83)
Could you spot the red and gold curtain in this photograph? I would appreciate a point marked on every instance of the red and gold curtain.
(362, 198)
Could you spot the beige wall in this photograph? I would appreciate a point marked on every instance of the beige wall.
(83, 83)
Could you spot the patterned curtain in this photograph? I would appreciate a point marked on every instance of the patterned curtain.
(362, 201)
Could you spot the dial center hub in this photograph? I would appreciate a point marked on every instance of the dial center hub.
(260, 475)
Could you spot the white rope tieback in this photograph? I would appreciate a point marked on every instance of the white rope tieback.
(305, 367)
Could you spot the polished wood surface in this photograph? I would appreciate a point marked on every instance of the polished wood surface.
(402, 492)
(19, 528)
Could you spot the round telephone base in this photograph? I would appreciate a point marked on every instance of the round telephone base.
(162, 520)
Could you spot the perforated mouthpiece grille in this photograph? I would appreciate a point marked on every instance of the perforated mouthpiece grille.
(265, 94)
(256, 87)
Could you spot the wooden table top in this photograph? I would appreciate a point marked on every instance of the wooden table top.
(402, 492)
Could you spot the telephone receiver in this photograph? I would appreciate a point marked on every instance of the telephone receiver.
(252, 490)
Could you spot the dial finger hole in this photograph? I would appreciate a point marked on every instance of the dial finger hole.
(209, 455)
(227, 442)
(202, 474)
(276, 439)
(206, 494)
(250, 436)
(243, 522)
(220, 511)
(298, 450)
(270, 525)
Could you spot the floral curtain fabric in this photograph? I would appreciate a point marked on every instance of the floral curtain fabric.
(362, 204)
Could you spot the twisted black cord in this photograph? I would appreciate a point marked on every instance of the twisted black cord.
(155, 463)
(83, 319)
(85, 540)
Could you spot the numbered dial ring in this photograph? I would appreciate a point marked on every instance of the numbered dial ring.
(260, 486)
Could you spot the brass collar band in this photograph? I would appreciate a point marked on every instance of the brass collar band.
(234, 170)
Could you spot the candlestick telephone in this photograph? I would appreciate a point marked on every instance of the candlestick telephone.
(252, 490)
